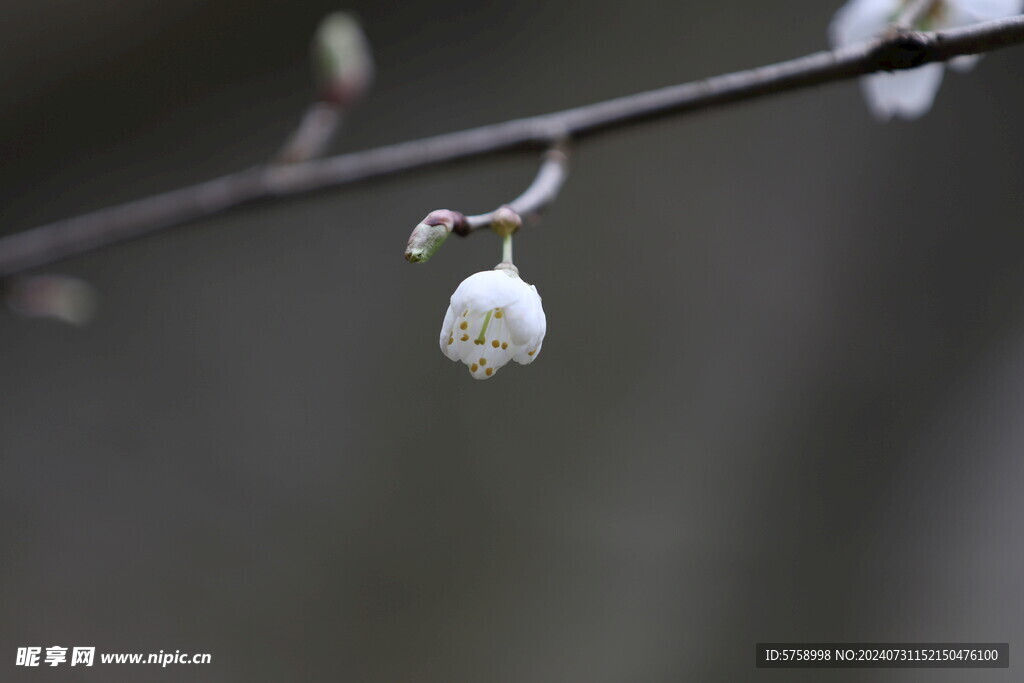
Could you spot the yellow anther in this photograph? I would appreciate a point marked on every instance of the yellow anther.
(464, 325)
(495, 343)
(490, 371)
(483, 361)
(472, 368)
(465, 337)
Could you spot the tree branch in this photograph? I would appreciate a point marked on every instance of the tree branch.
(544, 189)
(430, 233)
(47, 244)
(310, 139)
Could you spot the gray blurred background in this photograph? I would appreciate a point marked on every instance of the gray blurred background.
(779, 399)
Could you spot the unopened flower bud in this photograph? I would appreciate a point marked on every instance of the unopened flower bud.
(342, 60)
(430, 234)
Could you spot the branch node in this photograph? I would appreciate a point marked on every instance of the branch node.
(505, 221)
(904, 50)
(460, 225)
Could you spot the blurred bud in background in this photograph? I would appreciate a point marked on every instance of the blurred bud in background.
(342, 60)
(57, 297)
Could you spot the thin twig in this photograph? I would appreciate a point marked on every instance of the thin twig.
(50, 243)
(317, 128)
(554, 169)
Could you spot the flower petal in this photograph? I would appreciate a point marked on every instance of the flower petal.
(447, 339)
(488, 289)
(526, 319)
(907, 94)
(466, 333)
(528, 355)
(494, 353)
(861, 19)
(964, 63)
(965, 12)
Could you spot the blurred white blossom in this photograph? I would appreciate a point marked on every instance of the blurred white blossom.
(494, 317)
(909, 94)
(58, 297)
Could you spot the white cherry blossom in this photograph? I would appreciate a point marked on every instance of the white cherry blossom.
(909, 94)
(494, 317)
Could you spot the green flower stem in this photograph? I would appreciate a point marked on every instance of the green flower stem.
(506, 249)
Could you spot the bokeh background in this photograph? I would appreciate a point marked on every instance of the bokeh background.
(780, 397)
